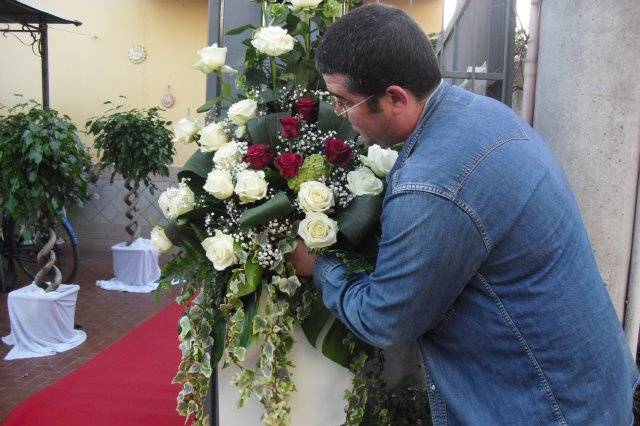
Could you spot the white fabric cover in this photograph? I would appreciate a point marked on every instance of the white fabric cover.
(135, 267)
(41, 322)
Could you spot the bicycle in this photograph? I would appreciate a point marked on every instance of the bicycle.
(20, 244)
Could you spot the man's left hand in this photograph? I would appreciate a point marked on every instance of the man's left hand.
(303, 262)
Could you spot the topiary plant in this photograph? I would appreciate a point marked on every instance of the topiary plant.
(41, 172)
(135, 143)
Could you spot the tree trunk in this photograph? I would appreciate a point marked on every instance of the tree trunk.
(47, 258)
(132, 213)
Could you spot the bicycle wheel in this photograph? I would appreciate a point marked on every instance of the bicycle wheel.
(25, 250)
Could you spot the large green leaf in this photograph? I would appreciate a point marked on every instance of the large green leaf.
(197, 166)
(360, 217)
(252, 279)
(250, 310)
(333, 346)
(218, 338)
(265, 129)
(277, 207)
(240, 30)
(316, 321)
(329, 120)
(177, 234)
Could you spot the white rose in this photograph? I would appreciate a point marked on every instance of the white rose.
(175, 202)
(219, 184)
(273, 41)
(315, 197)
(227, 156)
(298, 5)
(212, 137)
(318, 230)
(379, 160)
(159, 240)
(362, 181)
(185, 130)
(212, 58)
(251, 186)
(219, 250)
(242, 111)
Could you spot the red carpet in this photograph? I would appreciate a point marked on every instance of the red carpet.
(129, 383)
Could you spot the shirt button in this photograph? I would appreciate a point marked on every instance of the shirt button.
(433, 387)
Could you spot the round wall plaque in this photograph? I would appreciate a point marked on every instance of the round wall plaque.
(137, 54)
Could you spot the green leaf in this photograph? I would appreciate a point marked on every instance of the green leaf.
(333, 347)
(177, 234)
(240, 30)
(252, 279)
(256, 76)
(209, 104)
(250, 311)
(218, 338)
(277, 207)
(197, 166)
(265, 129)
(359, 218)
(316, 321)
(267, 96)
(329, 120)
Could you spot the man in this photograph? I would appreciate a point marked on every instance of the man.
(484, 259)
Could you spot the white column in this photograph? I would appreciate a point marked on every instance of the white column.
(588, 109)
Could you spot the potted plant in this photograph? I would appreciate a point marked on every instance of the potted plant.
(134, 143)
(41, 171)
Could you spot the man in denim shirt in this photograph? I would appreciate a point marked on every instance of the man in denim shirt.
(484, 259)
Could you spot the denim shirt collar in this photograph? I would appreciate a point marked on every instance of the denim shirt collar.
(432, 103)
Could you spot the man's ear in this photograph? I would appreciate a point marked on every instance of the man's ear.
(398, 99)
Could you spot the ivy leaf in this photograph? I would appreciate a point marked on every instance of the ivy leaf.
(277, 207)
(265, 129)
(362, 214)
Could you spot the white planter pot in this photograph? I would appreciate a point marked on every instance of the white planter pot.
(318, 400)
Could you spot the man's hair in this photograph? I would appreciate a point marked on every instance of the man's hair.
(376, 46)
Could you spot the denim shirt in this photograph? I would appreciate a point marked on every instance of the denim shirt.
(484, 260)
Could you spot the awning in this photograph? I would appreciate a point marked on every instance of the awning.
(30, 12)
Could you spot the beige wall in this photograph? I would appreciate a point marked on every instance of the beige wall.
(85, 70)
(427, 13)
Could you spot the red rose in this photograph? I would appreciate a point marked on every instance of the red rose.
(258, 156)
(338, 151)
(289, 164)
(290, 127)
(305, 107)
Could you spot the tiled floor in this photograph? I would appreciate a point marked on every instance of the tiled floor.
(104, 315)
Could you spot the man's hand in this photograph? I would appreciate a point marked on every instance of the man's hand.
(302, 261)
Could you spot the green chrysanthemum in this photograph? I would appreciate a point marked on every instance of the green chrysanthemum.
(313, 168)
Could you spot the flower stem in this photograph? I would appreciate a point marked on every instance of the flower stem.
(264, 13)
(274, 76)
(307, 41)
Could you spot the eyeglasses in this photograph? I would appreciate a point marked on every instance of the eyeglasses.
(342, 107)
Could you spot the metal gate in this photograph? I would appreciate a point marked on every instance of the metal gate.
(477, 49)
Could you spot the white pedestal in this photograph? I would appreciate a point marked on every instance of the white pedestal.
(318, 400)
(41, 322)
(135, 267)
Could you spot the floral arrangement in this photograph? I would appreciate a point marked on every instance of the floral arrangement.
(279, 166)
